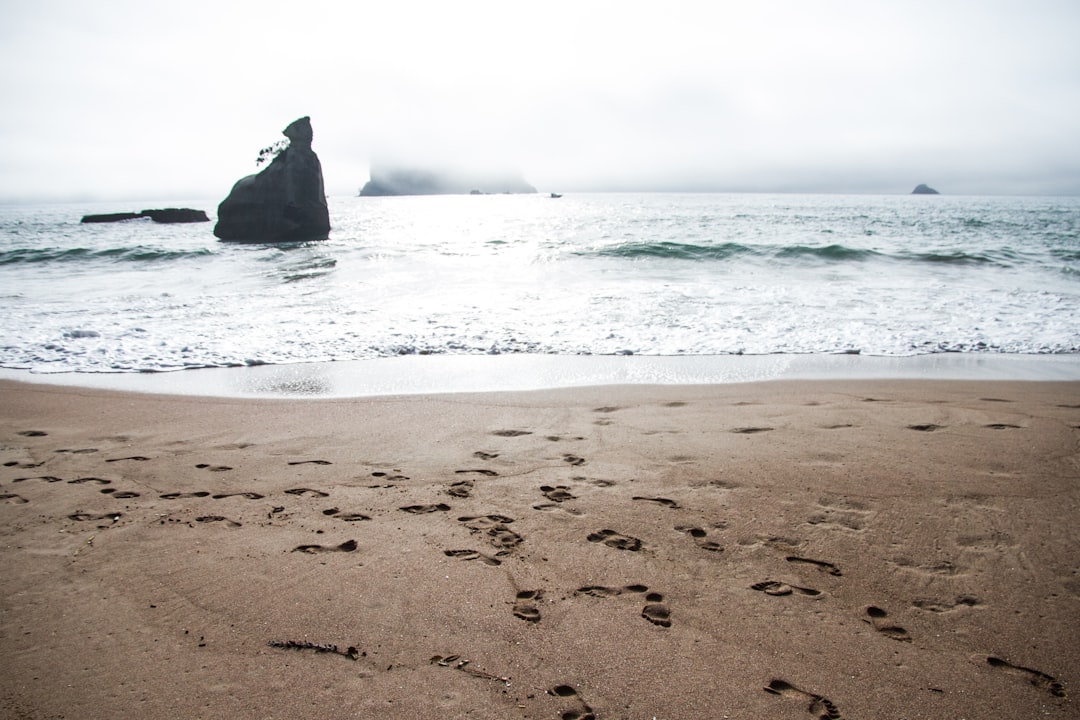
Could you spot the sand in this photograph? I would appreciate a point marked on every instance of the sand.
(856, 549)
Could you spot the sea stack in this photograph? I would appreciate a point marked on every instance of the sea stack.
(924, 190)
(285, 202)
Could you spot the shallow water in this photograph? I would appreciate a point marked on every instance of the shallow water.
(641, 274)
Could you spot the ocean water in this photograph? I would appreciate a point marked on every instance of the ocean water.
(591, 274)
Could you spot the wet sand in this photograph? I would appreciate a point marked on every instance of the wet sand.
(788, 549)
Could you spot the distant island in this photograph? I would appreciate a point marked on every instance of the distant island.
(924, 190)
(389, 181)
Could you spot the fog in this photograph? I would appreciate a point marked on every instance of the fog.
(133, 100)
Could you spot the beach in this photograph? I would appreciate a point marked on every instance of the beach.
(859, 548)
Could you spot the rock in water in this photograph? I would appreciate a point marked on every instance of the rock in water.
(924, 190)
(283, 203)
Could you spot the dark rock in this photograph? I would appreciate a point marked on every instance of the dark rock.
(285, 202)
(176, 215)
(166, 215)
(423, 181)
(924, 190)
(110, 217)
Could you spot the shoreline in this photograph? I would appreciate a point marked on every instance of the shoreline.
(438, 374)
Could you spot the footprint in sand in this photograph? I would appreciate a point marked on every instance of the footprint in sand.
(603, 591)
(460, 489)
(23, 465)
(472, 555)
(656, 611)
(423, 509)
(32, 433)
(388, 477)
(119, 494)
(557, 493)
(485, 455)
(939, 606)
(777, 588)
(751, 430)
(574, 460)
(494, 526)
(525, 605)
(13, 499)
(83, 517)
(826, 567)
(347, 517)
(217, 518)
(97, 480)
(347, 546)
(46, 478)
(248, 495)
(699, 535)
(926, 427)
(879, 620)
(176, 495)
(213, 468)
(310, 462)
(556, 506)
(133, 458)
(1036, 677)
(581, 712)
(659, 501)
(307, 491)
(600, 483)
(485, 473)
(820, 707)
(615, 540)
(1003, 426)
(511, 433)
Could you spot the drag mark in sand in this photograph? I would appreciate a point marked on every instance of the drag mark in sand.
(877, 619)
(777, 588)
(23, 465)
(310, 462)
(582, 712)
(926, 427)
(213, 468)
(80, 481)
(615, 540)
(820, 707)
(511, 433)
(32, 433)
(751, 430)
(826, 567)
(351, 653)
(1036, 677)
(133, 458)
(46, 478)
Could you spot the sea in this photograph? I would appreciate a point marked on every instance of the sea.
(603, 275)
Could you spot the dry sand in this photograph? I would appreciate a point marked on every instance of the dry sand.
(855, 549)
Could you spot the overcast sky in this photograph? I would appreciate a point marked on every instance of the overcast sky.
(132, 100)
